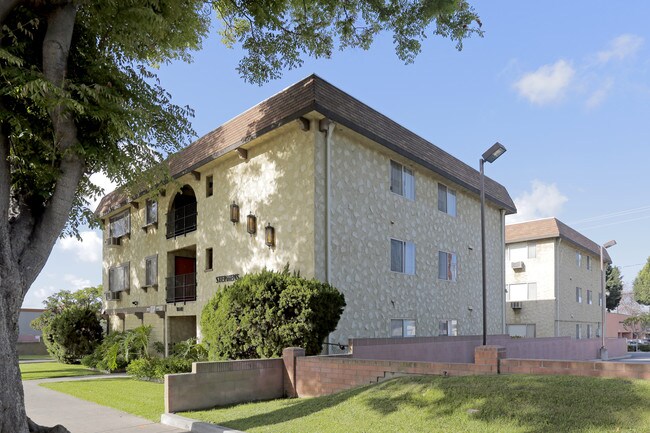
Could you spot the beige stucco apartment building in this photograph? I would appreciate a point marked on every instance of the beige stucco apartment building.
(351, 197)
(552, 281)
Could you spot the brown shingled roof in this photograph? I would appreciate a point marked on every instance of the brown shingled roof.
(316, 94)
(551, 228)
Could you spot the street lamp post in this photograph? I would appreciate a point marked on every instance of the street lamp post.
(603, 348)
(490, 156)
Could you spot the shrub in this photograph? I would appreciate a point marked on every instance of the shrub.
(120, 348)
(644, 347)
(190, 349)
(261, 314)
(157, 368)
(72, 334)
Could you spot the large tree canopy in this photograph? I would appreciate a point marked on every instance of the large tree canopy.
(78, 95)
(642, 285)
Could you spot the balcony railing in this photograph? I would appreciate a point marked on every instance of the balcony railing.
(181, 220)
(181, 288)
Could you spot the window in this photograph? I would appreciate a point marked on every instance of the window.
(522, 331)
(151, 271)
(589, 299)
(589, 263)
(600, 299)
(208, 186)
(578, 295)
(151, 216)
(402, 181)
(447, 266)
(448, 328)
(120, 225)
(208, 259)
(446, 200)
(402, 328)
(578, 258)
(402, 257)
(118, 278)
(589, 331)
(578, 332)
(521, 252)
(598, 330)
(521, 292)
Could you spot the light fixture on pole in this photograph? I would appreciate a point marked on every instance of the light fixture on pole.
(490, 156)
(603, 348)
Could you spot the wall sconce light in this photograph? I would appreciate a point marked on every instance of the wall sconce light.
(251, 224)
(234, 213)
(269, 235)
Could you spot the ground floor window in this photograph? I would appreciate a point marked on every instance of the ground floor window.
(448, 328)
(521, 330)
(402, 328)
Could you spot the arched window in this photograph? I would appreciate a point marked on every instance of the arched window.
(181, 217)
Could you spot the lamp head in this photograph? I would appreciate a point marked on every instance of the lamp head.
(494, 152)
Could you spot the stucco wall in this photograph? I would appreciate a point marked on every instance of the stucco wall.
(366, 215)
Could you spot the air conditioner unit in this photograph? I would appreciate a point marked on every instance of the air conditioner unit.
(518, 266)
(112, 242)
(112, 296)
(515, 305)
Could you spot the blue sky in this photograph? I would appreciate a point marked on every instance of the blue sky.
(565, 86)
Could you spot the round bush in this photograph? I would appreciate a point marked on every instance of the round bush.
(263, 313)
(73, 334)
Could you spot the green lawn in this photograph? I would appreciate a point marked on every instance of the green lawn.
(32, 357)
(499, 404)
(145, 399)
(46, 370)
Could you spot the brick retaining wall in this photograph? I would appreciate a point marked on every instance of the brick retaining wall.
(575, 368)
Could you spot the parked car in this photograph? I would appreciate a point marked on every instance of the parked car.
(632, 345)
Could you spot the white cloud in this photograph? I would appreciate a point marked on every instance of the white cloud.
(620, 47)
(599, 95)
(101, 180)
(547, 84)
(75, 283)
(89, 250)
(543, 200)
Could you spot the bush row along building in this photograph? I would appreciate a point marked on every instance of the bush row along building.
(315, 179)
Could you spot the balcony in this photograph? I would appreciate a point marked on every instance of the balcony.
(181, 220)
(181, 288)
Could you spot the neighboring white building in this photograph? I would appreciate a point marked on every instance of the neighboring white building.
(354, 199)
(553, 283)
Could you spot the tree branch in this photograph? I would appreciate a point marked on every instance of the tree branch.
(6, 6)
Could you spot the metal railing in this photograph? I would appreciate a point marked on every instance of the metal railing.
(181, 288)
(181, 220)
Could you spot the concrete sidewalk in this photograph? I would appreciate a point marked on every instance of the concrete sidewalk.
(47, 407)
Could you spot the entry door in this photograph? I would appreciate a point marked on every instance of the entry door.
(184, 265)
(185, 278)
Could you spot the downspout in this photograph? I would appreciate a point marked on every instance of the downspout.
(557, 287)
(327, 126)
(503, 270)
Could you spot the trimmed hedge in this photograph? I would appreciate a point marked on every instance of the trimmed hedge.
(261, 314)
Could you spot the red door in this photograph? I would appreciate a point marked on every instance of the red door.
(184, 265)
(185, 279)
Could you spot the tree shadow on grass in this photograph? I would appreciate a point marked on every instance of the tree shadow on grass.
(534, 404)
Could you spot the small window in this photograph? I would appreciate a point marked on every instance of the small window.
(151, 271)
(578, 258)
(402, 257)
(600, 299)
(521, 292)
(588, 263)
(578, 332)
(120, 225)
(447, 266)
(402, 328)
(598, 330)
(208, 259)
(448, 328)
(578, 295)
(589, 331)
(118, 278)
(446, 200)
(589, 299)
(209, 188)
(151, 216)
(532, 250)
(402, 180)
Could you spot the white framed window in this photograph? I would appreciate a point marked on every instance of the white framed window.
(402, 257)
(578, 331)
(118, 278)
(447, 266)
(532, 250)
(521, 292)
(578, 295)
(402, 328)
(589, 331)
(120, 224)
(402, 180)
(448, 328)
(588, 263)
(151, 271)
(446, 200)
(151, 212)
(522, 251)
(578, 258)
(589, 298)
